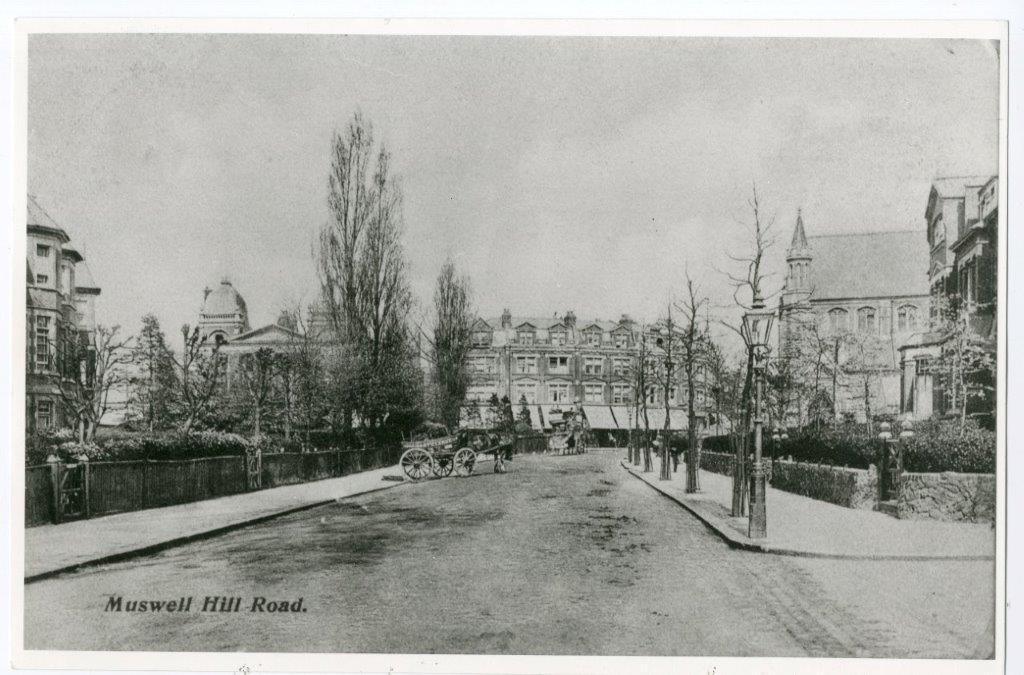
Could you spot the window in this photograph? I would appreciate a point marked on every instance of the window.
(866, 320)
(593, 365)
(906, 318)
(622, 340)
(527, 390)
(42, 250)
(621, 394)
(620, 365)
(558, 337)
(526, 365)
(525, 336)
(481, 365)
(652, 395)
(44, 414)
(479, 392)
(42, 340)
(558, 364)
(593, 393)
(837, 320)
(672, 395)
(558, 392)
(593, 338)
(42, 279)
(481, 338)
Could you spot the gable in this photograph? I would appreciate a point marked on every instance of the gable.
(269, 334)
(481, 325)
(526, 324)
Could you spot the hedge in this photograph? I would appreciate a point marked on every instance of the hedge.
(935, 447)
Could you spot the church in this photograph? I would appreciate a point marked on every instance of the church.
(849, 302)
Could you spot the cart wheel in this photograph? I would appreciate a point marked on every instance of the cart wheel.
(416, 463)
(464, 461)
(443, 465)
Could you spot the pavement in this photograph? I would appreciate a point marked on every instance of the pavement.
(562, 555)
(56, 549)
(801, 526)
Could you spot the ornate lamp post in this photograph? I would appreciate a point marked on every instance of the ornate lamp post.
(757, 326)
(666, 337)
(776, 439)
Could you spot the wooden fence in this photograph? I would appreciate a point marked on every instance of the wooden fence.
(116, 487)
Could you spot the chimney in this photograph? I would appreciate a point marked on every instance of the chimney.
(626, 320)
(570, 319)
(506, 319)
(206, 293)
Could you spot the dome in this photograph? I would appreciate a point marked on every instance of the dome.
(224, 301)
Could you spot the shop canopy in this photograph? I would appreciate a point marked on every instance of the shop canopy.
(600, 417)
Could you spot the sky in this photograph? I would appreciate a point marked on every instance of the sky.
(558, 173)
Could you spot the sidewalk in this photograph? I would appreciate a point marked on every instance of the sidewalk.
(807, 527)
(53, 549)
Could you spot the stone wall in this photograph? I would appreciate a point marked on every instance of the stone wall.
(948, 496)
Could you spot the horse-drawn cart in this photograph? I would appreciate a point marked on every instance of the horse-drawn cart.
(438, 456)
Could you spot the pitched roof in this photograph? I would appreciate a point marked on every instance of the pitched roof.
(38, 217)
(956, 186)
(870, 264)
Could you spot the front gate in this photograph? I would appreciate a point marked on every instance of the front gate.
(254, 469)
(890, 472)
(73, 492)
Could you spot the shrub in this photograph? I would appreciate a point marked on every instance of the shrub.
(935, 447)
(171, 446)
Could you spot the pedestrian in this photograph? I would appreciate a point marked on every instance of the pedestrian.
(674, 449)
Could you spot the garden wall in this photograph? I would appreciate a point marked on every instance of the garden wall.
(969, 497)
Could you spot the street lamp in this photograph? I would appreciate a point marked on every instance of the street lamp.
(776, 439)
(757, 327)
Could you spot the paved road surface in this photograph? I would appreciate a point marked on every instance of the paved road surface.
(564, 555)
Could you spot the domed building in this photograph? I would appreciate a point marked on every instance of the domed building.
(224, 314)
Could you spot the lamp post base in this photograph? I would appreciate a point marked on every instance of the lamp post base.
(757, 527)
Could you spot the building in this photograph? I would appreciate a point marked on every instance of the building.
(962, 218)
(60, 320)
(553, 362)
(849, 303)
(224, 320)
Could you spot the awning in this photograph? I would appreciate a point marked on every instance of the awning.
(600, 417)
(536, 420)
(656, 419)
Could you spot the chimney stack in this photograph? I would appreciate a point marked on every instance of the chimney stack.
(206, 293)
(506, 319)
(570, 319)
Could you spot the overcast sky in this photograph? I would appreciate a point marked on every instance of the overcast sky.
(559, 173)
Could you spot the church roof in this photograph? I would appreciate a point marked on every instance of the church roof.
(224, 300)
(869, 265)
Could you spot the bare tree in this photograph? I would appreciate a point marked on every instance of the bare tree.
(95, 367)
(753, 280)
(198, 373)
(693, 350)
(256, 372)
(641, 374)
(966, 365)
(667, 367)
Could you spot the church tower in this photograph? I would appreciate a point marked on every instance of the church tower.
(795, 303)
(798, 259)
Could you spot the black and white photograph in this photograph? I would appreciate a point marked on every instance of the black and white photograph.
(511, 344)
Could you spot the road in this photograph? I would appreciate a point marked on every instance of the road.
(563, 555)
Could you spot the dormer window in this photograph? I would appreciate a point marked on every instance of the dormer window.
(593, 338)
(559, 337)
(525, 335)
(481, 338)
(622, 340)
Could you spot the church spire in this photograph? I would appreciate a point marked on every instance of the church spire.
(799, 236)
